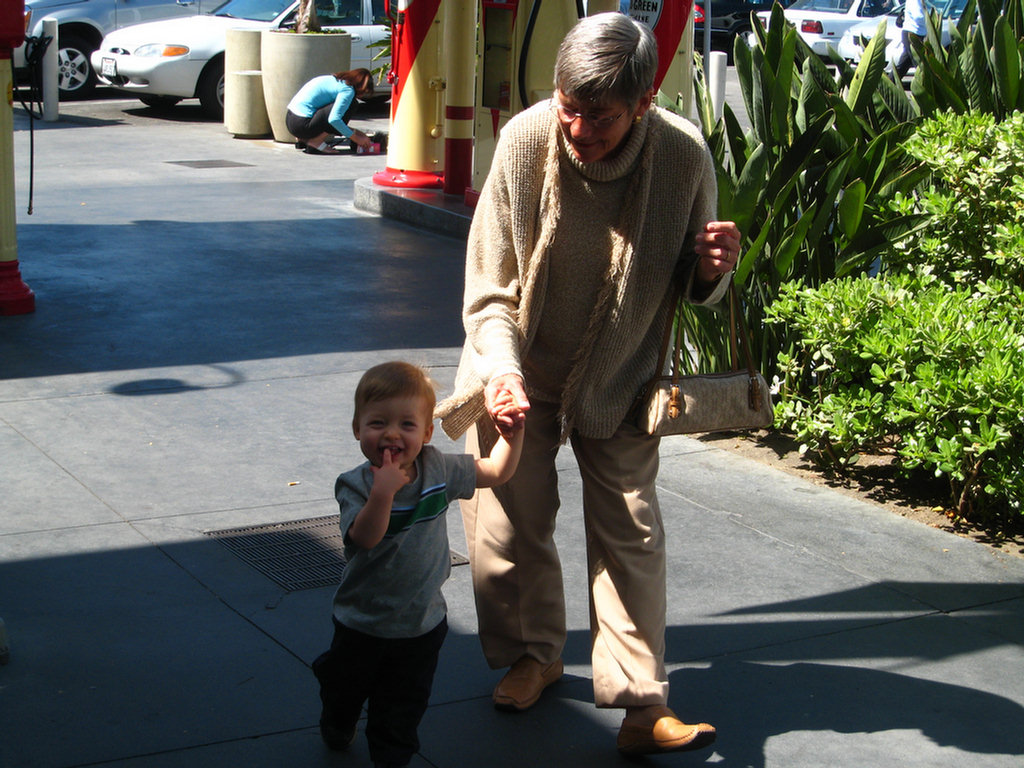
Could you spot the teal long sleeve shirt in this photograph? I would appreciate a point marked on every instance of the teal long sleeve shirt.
(321, 91)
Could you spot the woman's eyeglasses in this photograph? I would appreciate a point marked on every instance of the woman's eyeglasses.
(568, 116)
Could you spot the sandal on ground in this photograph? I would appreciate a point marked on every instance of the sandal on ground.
(323, 149)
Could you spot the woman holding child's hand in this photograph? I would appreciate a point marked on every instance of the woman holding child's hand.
(598, 205)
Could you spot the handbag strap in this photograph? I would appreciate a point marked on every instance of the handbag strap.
(736, 319)
(666, 337)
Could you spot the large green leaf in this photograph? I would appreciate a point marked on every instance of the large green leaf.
(851, 207)
(902, 109)
(796, 158)
(988, 12)
(977, 86)
(811, 102)
(869, 71)
(737, 142)
(942, 84)
(755, 97)
(793, 239)
(744, 66)
(749, 187)
(847, 125)
(1005, 63)
(822, 231)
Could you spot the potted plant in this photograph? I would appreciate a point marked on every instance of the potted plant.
(290, 58)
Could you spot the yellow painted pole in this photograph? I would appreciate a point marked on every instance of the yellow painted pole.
(15, 297)
(460, 64)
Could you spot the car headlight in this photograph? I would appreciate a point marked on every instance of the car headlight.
(161, 49)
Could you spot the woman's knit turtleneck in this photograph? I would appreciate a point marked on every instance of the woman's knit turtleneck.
(620, 164)
(592, 202)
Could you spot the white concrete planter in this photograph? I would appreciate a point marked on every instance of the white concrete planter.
(289, 60)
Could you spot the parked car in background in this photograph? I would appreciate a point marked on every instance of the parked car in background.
(729, 19)
(167, 61)
(855, 39)
(821, 23)
(81, 25)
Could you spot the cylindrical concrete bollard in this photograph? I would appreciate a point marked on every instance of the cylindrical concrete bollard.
(716, 81)
(51, 93)
(242, 50)
(245, 112)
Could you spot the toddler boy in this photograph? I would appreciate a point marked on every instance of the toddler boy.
(389, 613)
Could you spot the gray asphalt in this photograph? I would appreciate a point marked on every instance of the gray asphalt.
(205, 306)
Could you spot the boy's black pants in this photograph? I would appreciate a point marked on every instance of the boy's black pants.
(393, 674)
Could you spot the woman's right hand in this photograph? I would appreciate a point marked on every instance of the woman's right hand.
(499, 392)
(360, 138)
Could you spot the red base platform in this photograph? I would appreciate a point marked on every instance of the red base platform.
(16, 298)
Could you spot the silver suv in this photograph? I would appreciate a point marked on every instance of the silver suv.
(82, 24)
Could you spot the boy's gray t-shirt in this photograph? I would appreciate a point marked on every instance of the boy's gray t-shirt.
(394, 589)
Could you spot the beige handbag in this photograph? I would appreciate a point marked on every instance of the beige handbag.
(675, 404)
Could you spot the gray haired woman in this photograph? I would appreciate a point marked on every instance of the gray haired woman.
(596, 207)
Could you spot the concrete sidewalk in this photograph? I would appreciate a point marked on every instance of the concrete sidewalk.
(205, 306)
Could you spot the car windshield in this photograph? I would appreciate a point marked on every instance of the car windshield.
(826, 6)
(255, 10)
(952, 9)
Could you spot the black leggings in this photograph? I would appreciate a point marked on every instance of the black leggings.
(394, 674)
(310, 127)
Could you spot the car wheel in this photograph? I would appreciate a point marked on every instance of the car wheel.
(75, 77)
(211, 89)
(159, 102)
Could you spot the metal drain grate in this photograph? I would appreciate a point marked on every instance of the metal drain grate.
(295, 555)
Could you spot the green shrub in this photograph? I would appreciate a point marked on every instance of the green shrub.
(905, 363)
(975, 199)
(836, 174)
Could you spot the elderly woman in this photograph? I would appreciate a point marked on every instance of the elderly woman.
(596, 206)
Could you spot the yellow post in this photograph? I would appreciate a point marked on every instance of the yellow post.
(460, 65)
(15, 297)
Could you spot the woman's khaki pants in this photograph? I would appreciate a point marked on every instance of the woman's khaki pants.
(517, 577)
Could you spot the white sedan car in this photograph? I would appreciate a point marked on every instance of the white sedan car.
(164, 62)
(855, 39)
(821, 23)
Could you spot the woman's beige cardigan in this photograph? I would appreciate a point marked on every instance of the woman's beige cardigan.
(672, 194)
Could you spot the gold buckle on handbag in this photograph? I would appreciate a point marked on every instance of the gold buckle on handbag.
(674, 408)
